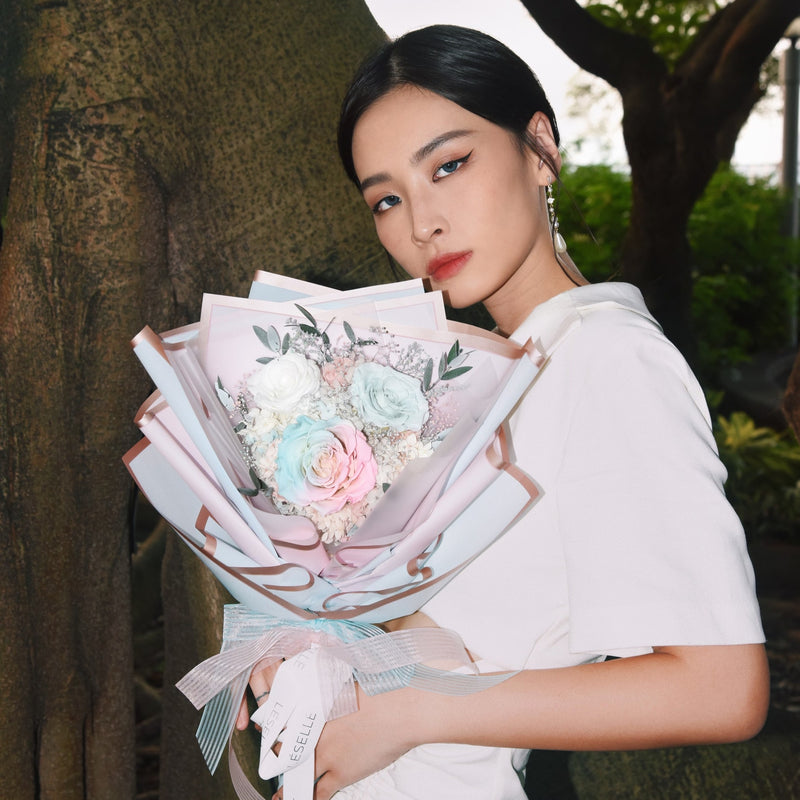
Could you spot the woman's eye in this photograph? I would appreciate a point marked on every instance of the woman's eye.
(449, 167)
(385, 203)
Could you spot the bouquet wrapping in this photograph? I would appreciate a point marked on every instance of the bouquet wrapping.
(334, 458)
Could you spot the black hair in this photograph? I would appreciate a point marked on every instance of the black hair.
(464, 66)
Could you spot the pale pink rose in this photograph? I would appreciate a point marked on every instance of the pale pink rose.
(325, 464)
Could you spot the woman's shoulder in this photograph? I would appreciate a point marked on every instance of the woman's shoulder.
(600, 309)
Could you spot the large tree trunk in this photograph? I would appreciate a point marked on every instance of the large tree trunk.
(152, 151)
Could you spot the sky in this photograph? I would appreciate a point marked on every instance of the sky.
(593, 136)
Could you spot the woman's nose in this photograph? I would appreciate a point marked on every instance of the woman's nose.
(426, 222)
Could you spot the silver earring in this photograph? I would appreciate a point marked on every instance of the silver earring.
(558, 240)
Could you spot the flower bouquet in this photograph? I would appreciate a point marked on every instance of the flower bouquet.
(334, 458)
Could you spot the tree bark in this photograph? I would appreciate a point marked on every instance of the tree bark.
(155, 151)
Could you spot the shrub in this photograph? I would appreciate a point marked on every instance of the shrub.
(763, 476)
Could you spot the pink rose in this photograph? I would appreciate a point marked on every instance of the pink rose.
(325, 464)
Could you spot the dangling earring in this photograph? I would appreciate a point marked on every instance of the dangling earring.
(558, 240)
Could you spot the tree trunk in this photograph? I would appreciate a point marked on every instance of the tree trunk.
(155, 151)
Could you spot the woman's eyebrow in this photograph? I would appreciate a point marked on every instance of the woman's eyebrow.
(423, 152)
(433, 144)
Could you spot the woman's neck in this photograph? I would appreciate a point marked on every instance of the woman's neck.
(510, 305)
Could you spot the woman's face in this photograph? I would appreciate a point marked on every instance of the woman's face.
(455, 198)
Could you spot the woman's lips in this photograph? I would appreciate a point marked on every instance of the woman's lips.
(447, 265)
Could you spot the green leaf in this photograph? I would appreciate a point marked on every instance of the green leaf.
(442, 364)
(265, 359)
(287, 343)
(274, 339)
(306, 314)
(454, 373)
(427, 378)
(263, 336)
(247, 492)
(349, 332)
(308, 329)
(257, 482)
(454, 351)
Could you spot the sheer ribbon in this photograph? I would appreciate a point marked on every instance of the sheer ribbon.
(322, 660)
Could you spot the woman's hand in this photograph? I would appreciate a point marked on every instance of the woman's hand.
(358, 744)
(260, 681)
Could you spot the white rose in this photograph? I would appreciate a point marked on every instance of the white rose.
(283, 382)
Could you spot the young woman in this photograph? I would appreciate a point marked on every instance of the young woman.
(633, 550)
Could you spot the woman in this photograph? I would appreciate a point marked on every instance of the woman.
(633, 551)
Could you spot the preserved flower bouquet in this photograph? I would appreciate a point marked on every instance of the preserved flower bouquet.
(334, 458)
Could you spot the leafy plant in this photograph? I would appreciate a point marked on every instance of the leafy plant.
(763, 475)
(594, 211)
(744, 290)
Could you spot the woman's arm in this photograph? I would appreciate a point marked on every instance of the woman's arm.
(673, 696)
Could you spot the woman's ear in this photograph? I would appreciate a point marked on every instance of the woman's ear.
(541, 133)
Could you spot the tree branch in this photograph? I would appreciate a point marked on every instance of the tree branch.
(750, 43)
(617, 57)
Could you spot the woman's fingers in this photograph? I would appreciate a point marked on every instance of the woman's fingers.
(260, 682)
(243, 717)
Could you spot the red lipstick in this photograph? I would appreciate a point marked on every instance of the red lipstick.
(447, 265)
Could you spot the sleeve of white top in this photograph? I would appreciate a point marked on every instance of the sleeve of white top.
(655, 554)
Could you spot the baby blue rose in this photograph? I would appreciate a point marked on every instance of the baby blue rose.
(387, 398)
(325, 464)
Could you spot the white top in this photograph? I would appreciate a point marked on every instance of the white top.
(633, 544)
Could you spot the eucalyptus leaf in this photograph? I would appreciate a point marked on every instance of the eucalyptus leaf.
(265, 359)
(306, 314)
(274, 339)
(224, 396)
(442, 364)
(454, 373)
(349, 332)
(263, 336)
(308, 329)
(287, 343)
(427, 378)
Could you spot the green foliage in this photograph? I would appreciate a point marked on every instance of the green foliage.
(594, 212)
(743, 283)
(670, 26)
(763, 475)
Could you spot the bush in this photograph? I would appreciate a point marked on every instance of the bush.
(763, 476)
(743, 284)
(594, 211)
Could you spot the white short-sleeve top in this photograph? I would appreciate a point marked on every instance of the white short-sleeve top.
(633, 543)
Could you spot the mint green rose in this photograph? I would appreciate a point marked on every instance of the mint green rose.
(387, 398)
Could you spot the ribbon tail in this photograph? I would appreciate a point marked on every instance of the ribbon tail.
(241, 785)
(218, 720)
